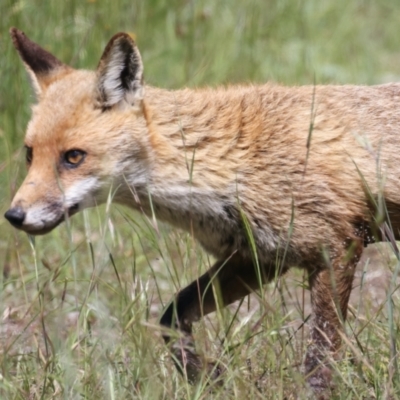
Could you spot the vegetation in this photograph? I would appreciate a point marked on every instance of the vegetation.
(80, 305)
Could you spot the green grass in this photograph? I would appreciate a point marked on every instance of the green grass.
(80, 305)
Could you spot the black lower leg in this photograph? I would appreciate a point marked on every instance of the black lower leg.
(179, 336)
(235, 278)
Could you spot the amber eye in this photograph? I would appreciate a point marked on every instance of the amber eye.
(73, 158)
(28, 155)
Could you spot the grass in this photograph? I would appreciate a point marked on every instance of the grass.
(80, 305)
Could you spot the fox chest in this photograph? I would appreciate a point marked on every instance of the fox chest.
(215, 225)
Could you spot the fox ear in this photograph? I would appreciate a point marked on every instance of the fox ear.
(40, 64)
(120, 73)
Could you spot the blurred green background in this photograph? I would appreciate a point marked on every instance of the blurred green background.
(112, 272)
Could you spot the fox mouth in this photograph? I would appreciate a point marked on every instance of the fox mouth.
(48, 226)
(73, 210)
(68, 213)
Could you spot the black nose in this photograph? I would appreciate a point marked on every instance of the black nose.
(15, 216)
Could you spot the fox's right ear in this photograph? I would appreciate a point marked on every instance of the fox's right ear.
(120, 73)
(42, 66)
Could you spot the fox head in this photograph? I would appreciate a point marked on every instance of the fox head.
(88, 129)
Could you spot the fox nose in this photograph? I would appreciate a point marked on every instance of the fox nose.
(15, 216)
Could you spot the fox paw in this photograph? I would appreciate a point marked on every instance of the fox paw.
(214, 372)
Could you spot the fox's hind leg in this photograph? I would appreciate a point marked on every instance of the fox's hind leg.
(231, 280)
(330, 291)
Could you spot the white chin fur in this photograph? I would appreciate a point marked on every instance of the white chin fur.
(39, 217)
(82, 193)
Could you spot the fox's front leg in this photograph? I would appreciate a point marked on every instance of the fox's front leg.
(330, 292)
(230, 280)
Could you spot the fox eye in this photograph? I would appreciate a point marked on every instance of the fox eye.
(73, 158)
(28, 155)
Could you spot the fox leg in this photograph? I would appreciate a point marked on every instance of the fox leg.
(229, 280)
(330, 292)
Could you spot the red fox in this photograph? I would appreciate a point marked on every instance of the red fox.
(265, 177)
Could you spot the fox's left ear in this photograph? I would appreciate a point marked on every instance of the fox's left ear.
(120, 73)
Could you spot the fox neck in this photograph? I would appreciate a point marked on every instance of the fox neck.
(190, 135)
